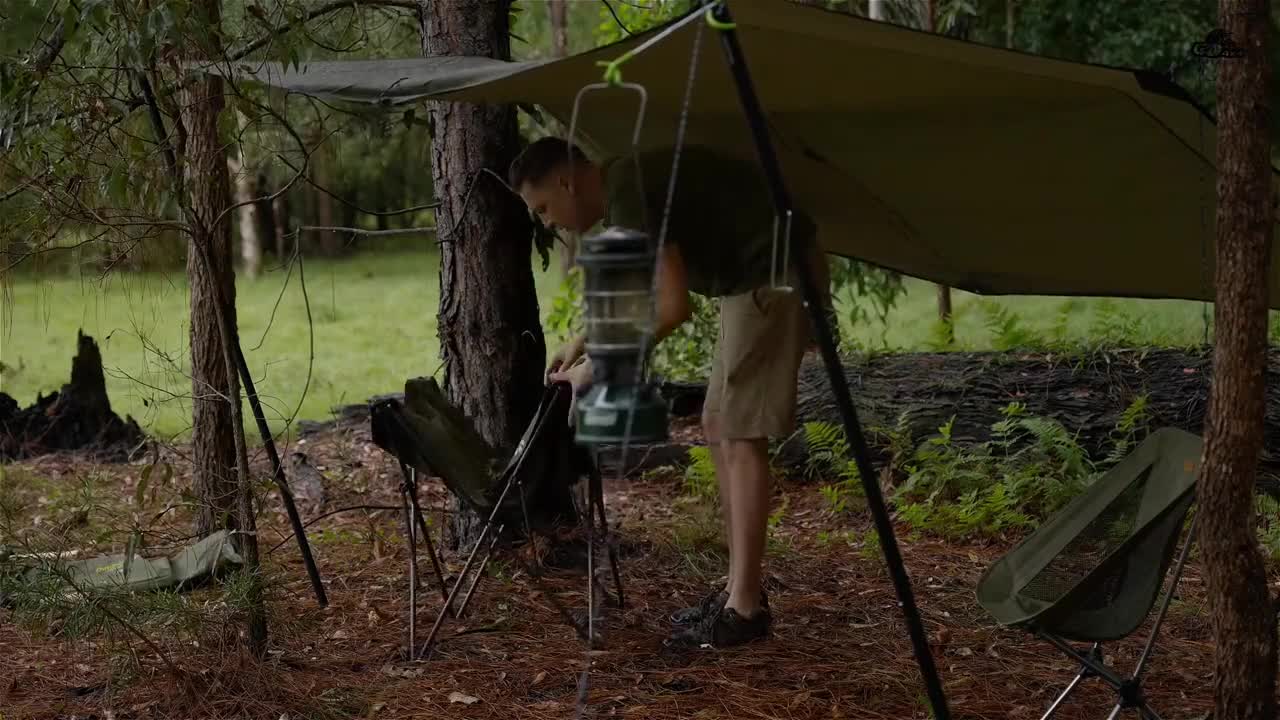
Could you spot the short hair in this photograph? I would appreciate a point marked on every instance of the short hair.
(542, 156)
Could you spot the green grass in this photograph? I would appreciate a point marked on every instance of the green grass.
(374, 317)
(909, 326)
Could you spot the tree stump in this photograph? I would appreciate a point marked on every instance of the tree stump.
(77, 417)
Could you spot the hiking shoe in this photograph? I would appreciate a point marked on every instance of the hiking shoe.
(723, 628)
(708, 605)
(712, 602)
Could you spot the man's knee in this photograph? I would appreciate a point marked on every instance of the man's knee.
(711, 427)
(754, 451)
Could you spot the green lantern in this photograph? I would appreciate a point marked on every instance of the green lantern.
(622, 404)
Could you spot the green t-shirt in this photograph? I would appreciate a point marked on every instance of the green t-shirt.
(722, 215)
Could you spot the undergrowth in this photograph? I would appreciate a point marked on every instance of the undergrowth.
(1028, 469)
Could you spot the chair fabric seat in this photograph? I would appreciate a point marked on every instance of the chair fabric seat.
(1092, 572)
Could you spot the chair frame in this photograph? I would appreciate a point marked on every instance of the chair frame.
(512, 479)
(1129, 689)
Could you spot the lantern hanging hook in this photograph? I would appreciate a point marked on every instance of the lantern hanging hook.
(610, 83)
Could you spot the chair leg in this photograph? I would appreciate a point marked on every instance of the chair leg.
(596, 485)
(1084, 673)
(1168, 598)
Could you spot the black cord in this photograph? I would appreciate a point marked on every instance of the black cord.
(617, 19)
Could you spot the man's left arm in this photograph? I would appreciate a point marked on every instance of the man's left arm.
(673, 305)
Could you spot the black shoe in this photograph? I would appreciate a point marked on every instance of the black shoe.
(724, 628)
(708, 605)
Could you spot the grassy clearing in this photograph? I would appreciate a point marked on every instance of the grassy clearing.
(373, 317)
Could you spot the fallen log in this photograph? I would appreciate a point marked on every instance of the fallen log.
(1088, 393)
(76, 418)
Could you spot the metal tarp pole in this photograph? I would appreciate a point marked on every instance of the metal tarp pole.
(835, 372)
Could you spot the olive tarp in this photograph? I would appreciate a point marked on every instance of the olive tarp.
(989, 170)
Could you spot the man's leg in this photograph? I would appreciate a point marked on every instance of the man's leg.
(763, 336)
(748, 521)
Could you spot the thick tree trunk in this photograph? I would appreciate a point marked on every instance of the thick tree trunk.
(1242, 616)
(212, 444)
(491, 338)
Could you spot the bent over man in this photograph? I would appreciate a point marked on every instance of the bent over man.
(719, 244)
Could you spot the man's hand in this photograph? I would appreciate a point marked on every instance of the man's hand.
(566, 356)
(579, 378)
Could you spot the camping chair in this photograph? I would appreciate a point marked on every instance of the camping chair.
(1092, 572)
(429, 436)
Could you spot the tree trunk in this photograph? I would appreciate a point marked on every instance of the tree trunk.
(246, 189)
(212, 444)
(559, 10)
(205, 195)
(328, 241)
(280, 220)
(1242, 617)
(491, 338)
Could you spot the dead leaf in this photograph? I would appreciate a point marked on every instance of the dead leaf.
(457, 697)
(539, 677)
(340, 634)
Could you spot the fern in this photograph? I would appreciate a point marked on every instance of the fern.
(1061, 328)
(1008, 332)
(700, 475)
(1029, 468)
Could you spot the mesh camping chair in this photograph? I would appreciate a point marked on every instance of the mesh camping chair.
(428, 436)
(1092, 572)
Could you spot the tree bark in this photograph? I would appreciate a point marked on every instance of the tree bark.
(1242, 617)
(249, 226)
(491, 338)
(559, 10)
(205, 165)
(328, 241)
(280, 221)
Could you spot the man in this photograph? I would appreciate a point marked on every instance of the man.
(719, 243)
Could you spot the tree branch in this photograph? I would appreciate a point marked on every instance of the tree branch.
(312, 15)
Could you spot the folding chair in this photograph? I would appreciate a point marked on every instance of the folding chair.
(1092, 572)
(427, 435)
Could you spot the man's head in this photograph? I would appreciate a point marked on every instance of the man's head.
(560, 197)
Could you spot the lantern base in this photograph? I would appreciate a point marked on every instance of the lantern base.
(603, 411)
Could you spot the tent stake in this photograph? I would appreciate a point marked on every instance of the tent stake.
(835, 372)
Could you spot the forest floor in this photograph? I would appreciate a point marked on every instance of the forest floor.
(839, 647)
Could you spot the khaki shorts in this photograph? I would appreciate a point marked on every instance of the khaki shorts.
(764, 335)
